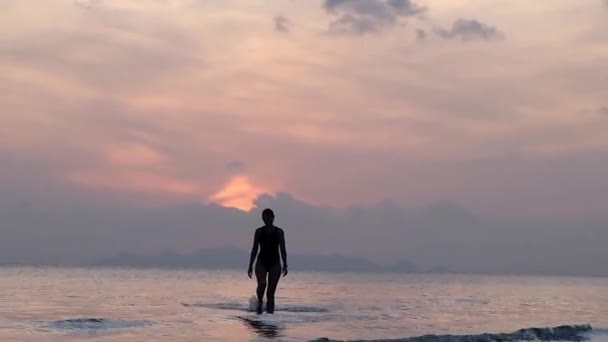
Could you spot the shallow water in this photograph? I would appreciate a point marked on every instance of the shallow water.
(70, 304)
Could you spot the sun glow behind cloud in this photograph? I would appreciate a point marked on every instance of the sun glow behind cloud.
(239, 192)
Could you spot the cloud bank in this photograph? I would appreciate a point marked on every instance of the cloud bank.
(440, 235)
(360, 17)
(470, 29)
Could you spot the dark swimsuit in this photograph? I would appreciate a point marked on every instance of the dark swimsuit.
(269, 247)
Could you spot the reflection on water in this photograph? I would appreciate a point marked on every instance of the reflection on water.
(111, 305)
(262, 328)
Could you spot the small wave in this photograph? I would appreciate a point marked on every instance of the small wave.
(573, 333)
(96, 324)
(243, 307)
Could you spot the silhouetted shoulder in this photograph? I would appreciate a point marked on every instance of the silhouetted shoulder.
(280, 230)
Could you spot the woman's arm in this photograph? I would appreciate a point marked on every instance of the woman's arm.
(254, 252)
(283, 252)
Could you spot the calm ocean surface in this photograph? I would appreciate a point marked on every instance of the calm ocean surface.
(71, 304)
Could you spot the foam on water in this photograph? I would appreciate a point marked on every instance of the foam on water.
(573, 333)
(264, 318)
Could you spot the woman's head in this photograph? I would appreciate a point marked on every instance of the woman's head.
(268, 217)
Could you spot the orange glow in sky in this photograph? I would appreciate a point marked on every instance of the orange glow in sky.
(238, 193)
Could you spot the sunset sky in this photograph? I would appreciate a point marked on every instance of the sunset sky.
(499, 106)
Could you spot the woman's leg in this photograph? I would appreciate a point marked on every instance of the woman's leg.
(260, 275)
(274, 274)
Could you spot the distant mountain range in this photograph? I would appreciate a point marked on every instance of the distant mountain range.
(234, 258)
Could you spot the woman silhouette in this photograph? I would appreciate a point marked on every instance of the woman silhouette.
(269, 240)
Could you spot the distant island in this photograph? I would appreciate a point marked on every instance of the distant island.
(234, 258)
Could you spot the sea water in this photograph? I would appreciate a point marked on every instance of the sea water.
(114, 304)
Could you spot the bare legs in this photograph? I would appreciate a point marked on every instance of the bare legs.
(274, 274)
